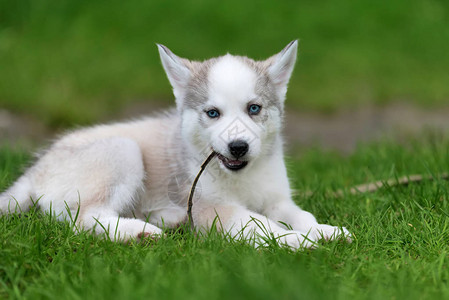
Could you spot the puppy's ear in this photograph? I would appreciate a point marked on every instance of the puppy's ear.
(176, 69)
(281, 67)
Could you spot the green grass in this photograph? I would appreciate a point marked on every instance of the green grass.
(400, 248)
(69, 62)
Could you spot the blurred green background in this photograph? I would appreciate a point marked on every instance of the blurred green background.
(80, 61)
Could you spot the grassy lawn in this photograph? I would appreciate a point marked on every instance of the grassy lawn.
(79, 62)
(400, 248)
(69, 62)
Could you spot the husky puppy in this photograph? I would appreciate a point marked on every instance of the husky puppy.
(130, 179)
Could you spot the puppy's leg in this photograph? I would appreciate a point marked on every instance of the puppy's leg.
(99, 182)
(288, 212)
(18, 198)
(170, 217)
(240, 222)
(104, 220)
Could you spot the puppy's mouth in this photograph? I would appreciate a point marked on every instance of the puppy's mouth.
(233, 165)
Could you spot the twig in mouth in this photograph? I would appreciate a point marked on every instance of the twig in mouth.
(192, 189)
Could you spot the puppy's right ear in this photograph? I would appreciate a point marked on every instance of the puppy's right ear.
(281, 67)
(177, 72)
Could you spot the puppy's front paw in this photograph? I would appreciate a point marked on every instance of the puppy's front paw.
(296, 240)
(328, 233)
(148, 237)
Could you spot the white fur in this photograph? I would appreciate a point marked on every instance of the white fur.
(231, 80)
(121, 178)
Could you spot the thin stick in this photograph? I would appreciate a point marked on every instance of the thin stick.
(377, 185)
(192, 189)
(405, 180)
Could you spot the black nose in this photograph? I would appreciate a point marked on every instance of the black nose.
(238, 148)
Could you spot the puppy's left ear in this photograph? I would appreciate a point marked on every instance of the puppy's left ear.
(177, 71)
(281, 67)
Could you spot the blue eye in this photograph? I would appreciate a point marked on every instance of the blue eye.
(213, 113)
(254, 109)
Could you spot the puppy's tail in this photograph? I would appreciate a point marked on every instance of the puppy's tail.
(18, 198)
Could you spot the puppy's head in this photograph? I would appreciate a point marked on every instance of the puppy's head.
(231, 104)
